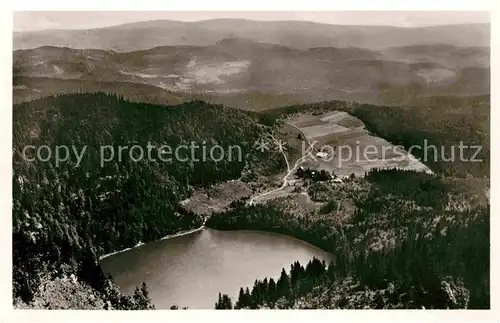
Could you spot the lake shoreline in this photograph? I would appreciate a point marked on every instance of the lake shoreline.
(169, 236)
(267, 219)
(190, 231)
(192, 269)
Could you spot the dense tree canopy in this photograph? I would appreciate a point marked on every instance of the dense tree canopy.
(402, 246)
(67, 214)
(399, 238)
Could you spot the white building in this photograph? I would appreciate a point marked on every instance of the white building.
(322, 155)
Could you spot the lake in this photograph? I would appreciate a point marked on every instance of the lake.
(190, 270)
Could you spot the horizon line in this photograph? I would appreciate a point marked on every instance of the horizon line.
(250, 20)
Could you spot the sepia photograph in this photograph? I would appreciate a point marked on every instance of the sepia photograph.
(250, 160)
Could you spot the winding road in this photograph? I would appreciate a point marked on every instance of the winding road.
(307, 153)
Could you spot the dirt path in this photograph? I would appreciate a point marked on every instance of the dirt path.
(307, 153)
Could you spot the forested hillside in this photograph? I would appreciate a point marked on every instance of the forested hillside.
(403, 247)
(406, 244)
(66, 215)
(135, 143)
(443, 125)
(413, 240)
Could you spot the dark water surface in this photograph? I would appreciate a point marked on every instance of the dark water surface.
(191, 270)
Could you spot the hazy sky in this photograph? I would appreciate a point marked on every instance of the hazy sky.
(38, 20)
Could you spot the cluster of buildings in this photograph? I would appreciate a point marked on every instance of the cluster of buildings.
(319, 175)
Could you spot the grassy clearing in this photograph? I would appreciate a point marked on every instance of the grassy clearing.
(216, 198)
(294, 142)
(355, 149)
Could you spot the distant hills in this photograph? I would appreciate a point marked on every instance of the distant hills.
(237, 66)
(256, 64)
(294, 34)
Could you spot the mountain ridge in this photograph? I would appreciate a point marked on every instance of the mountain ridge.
(296, 34)
(204, 21)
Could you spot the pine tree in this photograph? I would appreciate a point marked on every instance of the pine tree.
(241, 300)
(283, 284)
(224, 302)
